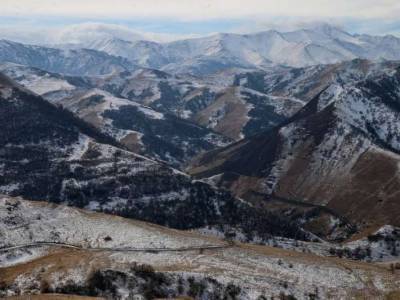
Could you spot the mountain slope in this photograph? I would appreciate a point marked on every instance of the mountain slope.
(341, 150)
(52, 86)
(142, 129)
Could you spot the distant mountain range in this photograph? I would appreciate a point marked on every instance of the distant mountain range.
(323, 44)
(69, 61)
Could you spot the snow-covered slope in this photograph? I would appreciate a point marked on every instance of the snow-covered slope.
(25, 222)
(235, 271)
(52, 86)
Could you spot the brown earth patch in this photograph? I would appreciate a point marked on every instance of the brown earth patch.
(234, 118)
(371, 196)
(59, 260)
(132, 142)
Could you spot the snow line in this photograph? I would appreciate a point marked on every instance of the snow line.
(64, 245)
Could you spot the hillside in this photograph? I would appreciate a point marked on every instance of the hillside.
(342, 145)
(238, 271)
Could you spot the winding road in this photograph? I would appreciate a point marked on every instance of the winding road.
(111, 249)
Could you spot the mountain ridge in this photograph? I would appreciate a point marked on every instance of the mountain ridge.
(327, 152)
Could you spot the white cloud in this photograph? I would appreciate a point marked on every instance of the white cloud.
(202, 9)
(82, 33)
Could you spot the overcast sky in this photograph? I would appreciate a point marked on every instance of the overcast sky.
(194, 17)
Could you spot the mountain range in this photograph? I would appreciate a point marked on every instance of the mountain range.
(322, 44)
(290, 140)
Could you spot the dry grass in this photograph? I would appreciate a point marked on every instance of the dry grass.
(310, 258)
(395, 295)
(59, 260)
(372, 193)
(234, 119)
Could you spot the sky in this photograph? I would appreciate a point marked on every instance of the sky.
(173, 19)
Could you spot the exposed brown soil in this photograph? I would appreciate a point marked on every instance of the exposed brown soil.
(234, 118)
(132, 142)
(372, 195)
(60, 260)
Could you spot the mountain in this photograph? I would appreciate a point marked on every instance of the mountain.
(239, 112)
(141, 129)
(226, 107)
(322, 44)
(48, 153)
(159, 90)
(70, 61)
(56, 249)
(341, 151)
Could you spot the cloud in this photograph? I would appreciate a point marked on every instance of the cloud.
(49, 21)
(189, 10)
(82, 33)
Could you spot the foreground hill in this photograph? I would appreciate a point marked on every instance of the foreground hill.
(112, 255)
(340, 151)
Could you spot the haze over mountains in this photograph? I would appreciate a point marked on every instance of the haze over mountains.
(287, 139)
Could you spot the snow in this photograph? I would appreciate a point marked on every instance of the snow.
(45, 84)
(151, 113)
(383, 248)
(64, 224)
(20, 256)
(5, 93)
(7, 189)
(79, 148)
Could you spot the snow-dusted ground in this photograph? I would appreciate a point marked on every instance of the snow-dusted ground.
(382, 245)
(257, 270)
(24, 222)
